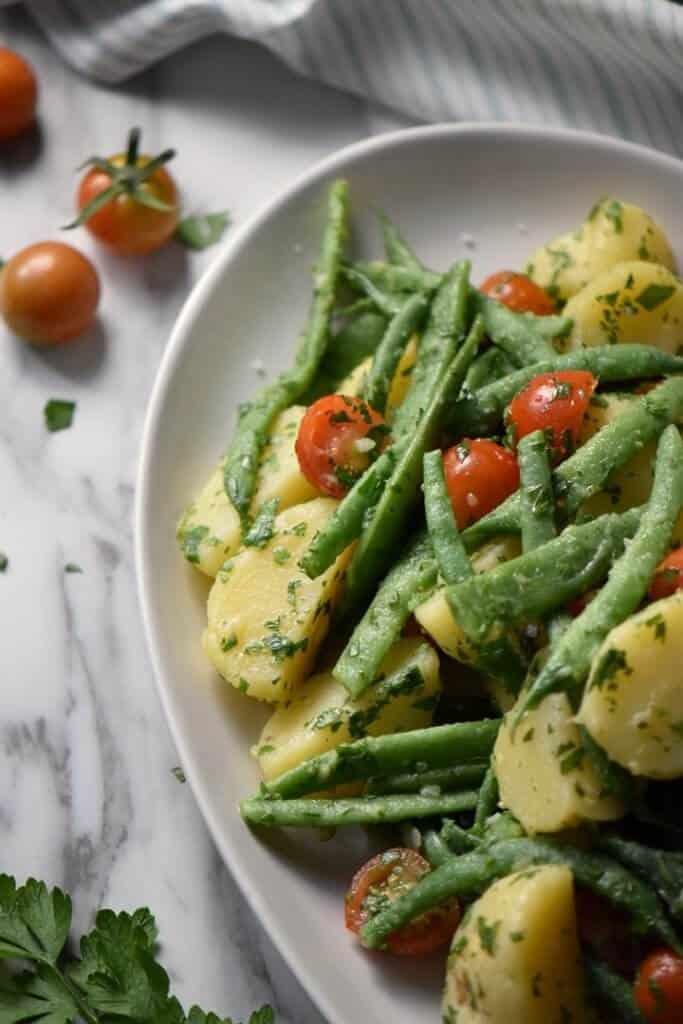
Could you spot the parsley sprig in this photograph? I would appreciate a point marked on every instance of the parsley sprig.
(116, 978)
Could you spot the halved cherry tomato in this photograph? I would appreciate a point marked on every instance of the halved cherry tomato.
(518, 292)
(555, 402)
(387, 877)
(142, 211)
(338, 438)
(18, 94)
(659, 988)
(49, 293)
(479, 474)
(668, 577)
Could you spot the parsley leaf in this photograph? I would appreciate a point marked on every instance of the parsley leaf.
(116, 978)
(72, 567)
(4, 561)
(654, 295)
(200, 232)
(59, 414)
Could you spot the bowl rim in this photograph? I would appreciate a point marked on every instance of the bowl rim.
(180, 337)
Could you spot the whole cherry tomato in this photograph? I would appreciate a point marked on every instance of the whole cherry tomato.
(659, 988)
(479, 474)
(518, 292)
(49, 293)
(387, 877)
(668, 577)
(18, 94)
(129, 201)
(554, 402)
(338, 437)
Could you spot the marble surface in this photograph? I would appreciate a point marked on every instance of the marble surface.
(89, 800)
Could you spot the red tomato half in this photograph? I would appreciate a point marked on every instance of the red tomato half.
(338, 438)
(518, 292)
(555, 402)
(659, 988)
(387, 877)
(668, 577)
(480, 474)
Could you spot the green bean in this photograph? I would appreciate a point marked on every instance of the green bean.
(410, 582)
(523, 337)
(661, 868)
(488, 367)
(488, 797)
(434, 849)
(395, 246)
(386, 526)
(482, 413)
(241, 462)
(398, 279)
(400, 329)
(440, 746)
(445, 779)
(372, 810)
(346, 522)
(357, 339)
(454, 565)
(457, 839)
(570, 660)
(537, 501)
(612, 991)
(587, 470)
(472, 873)
(386, 302)
(538, 582)
(443, 334)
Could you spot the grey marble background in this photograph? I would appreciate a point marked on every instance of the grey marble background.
(88, 799)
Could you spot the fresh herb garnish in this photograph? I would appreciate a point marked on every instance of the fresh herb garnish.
(59, 414)
(654, 295)
(72, 567)
(200, 232)
(179, 773)
(116, 977)
(4, 562)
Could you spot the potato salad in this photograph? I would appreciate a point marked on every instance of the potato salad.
(445, 548)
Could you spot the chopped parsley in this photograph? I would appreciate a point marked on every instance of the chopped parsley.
(488, 935)
(190, 541)
(199, 232)
(654, 295)
(4, 562)
(72, 567)
(281, 555)
(59, 414)
(179, 773)
(263, 527)
(613, 212)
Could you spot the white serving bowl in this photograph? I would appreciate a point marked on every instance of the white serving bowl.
(490, 192)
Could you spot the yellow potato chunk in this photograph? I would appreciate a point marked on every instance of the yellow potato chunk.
(209, 532)
(633, 704)
(613, 232)
(321, 715)
(515, 958)
(434, 614)
(266, 618)
(630, 302)
(545, 777)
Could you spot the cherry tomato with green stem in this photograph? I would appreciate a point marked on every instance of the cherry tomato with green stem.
(129, 201)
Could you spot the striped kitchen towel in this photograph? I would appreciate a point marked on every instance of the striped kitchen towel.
(614, 66)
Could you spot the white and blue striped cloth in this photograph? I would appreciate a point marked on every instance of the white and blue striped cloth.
(614, 66)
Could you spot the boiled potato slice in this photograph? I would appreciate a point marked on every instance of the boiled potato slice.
(630, 302)
(515, 958)
(321, 715)
(353, 384)
(434, 614)
(545, 777)
(613, 232)
(209, 532)
(266, 618)
(633, 705)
